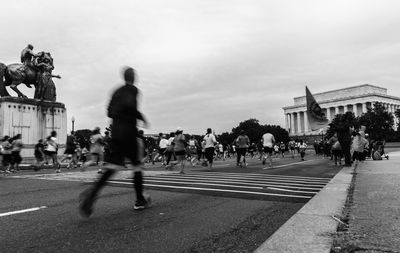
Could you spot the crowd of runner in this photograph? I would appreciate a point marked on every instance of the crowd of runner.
(125, 142)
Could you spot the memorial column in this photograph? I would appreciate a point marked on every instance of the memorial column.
(355, 110)
(364, 107)
(328, 113)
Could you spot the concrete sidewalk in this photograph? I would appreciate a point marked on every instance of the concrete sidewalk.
(374, 219)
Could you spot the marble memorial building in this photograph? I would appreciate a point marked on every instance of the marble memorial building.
(355, 99)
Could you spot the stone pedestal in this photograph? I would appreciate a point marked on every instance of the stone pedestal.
(34, 120)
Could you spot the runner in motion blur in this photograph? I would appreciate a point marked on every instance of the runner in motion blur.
(124, 113)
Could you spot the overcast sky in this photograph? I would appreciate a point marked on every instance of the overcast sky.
(205, 63)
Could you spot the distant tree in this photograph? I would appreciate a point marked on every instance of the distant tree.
(83, 137)
(341, 122)
(226, 138)
(397, 114)
(255, 131)
(379, 122)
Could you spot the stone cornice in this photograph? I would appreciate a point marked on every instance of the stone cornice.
(347, 88)
(31, 101)
(344, 99)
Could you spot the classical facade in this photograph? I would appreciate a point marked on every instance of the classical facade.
(356, 99)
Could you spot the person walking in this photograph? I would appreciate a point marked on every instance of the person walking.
(302, 149)
(268, 141)
(193, 150)
(170, 148)
(336, 149)
(51, 150)
(96, 150)
(209, 147)
(242, 144)
(70, 151)
(179, 144)
(16, 158)
(292, 146)
(6, 148)
(39, 155)
(123, 110)
(162, 148)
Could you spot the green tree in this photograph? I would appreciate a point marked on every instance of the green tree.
(83, 137)
(397, 114)
(255, 132)
(342, 121)
(379, 122)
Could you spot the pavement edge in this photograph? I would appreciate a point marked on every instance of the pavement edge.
(311, 228)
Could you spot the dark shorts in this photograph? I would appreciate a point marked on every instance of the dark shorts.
(336, 152)
(241, 151)
(268, 150)
(69, 150)
(6, 159)
(209, 154)
(180, 153)
(123, 146)
(50, 153)
(162, 151)
(16, 158)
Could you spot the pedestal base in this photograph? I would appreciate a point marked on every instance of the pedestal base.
(34, 120)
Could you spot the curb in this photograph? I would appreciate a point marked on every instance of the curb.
(311, 228)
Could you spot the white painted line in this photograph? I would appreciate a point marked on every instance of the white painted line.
(286, 190)
(226, 184)
(23, 211)
(236, 180)
(265, 178)
(286, 165)
(218, 190)
(259, 174)
(195, 183)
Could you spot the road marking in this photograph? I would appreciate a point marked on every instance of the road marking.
(286, 165)
(254, 174)
(250, 178)
(228, 184)
(217, 190)
(286, 190)
(23, 211)
(238, 180)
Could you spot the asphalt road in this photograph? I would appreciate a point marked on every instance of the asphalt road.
(229, 209)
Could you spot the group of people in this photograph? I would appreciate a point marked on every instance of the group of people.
(354, 147)
(10, 150)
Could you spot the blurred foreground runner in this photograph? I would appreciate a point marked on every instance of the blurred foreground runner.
(124, 114)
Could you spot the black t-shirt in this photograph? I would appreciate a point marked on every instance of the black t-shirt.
(39, 147)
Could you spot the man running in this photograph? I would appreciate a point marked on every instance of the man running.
(209, 145)
(268, 141)
(123, 111)
(242, 143)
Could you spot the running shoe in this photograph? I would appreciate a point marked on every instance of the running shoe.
(140, 205)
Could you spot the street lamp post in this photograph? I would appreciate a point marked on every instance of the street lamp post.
(73, 123)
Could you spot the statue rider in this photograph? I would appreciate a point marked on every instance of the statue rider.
(27, 55)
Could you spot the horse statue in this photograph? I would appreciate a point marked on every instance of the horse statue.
(33, 74)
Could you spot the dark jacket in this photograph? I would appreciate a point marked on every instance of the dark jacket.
(123, 105)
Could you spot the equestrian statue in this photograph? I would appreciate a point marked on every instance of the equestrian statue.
(34, 69)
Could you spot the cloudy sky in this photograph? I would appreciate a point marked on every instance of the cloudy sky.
(205, 63)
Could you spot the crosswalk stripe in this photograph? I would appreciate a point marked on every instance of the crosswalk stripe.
(242, 180)
(286, 190)
(259, 175)
(226, 184)
(218, 190)
(221, 180)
